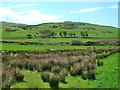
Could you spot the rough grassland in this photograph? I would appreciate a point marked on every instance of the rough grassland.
(106, 77)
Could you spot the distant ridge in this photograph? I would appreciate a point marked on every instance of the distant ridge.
(4, 23)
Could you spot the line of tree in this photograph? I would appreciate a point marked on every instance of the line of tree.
(63, 34)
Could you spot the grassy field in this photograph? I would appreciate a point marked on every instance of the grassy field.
(101, 34)
(45, 47)
(106, 77)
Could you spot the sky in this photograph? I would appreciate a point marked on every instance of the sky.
(32, 13)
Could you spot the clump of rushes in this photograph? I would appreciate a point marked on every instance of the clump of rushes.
(38, 67)
(46, 67)
(91, 66)
(99, 62)
(56, 70)
(84, 75)
(63, 73)
(54, 80)
(7, 75)
(75, 70)
(45, 76)
(19, 75)
(91, 74)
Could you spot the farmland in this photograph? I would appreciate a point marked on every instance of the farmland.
(59, 55)
(56, 33)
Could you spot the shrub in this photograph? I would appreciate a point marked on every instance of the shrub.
(45, 76)
(19, 76)
(76, 42)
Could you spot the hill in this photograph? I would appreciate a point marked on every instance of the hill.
(55, 33)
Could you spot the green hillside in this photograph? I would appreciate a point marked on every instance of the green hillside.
(13, 32)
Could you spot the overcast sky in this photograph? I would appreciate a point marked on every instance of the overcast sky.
(104, 13)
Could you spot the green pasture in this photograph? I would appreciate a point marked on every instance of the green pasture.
(6, 46)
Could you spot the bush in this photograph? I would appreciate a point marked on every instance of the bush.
(19, 76)
(45, 76)
(76, 42)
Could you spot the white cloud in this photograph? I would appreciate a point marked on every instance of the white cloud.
(86, 10)
(114, 6)
(19, 6)
(26, 17)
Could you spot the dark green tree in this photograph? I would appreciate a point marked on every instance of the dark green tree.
(53, 34)
(65, 33)
(29, 36)
(74, 35)
(84, 34)
(60, 34)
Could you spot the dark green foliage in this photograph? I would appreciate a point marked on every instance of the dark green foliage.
(64, 33)
(53, 34)
(29, 36)
(61, 34)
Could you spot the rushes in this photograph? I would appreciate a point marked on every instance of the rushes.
(54, 66)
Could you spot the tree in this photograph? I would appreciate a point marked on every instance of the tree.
(53, 34)
(65, 33)
(84, 34)
(74, 34)
(29, 36)
(60, 34)
(70, 34)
